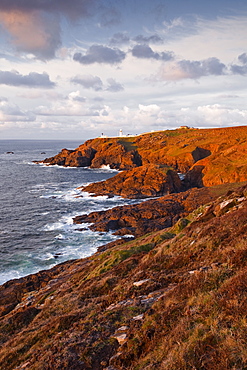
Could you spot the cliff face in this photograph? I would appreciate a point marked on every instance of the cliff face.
(206, 157)
(141, 182)
(173, 299)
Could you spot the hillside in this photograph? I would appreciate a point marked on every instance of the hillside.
(205, 157)
(172, 299)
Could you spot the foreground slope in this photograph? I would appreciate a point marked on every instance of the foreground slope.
(173, 299)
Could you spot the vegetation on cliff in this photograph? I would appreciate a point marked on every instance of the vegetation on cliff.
(171, 299)
(174, 297)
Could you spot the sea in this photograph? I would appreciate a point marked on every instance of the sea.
(37, 206)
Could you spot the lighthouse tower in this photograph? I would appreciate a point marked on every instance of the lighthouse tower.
(120, 132)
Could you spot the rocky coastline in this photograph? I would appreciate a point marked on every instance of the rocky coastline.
(174, 296)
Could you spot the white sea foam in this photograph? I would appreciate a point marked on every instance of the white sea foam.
(60, 237)
(106, 167)
(9, 275)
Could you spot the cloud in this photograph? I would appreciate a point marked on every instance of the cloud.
(75, 96)
(11, 112)
(221, 116)
(146, 52)
(34, 26)
(72, 105)
(95, 83)
(240, 69)
(114, 86)
(33, 32)
(89, 82)
(243, 58)
(151, 109)
(33, 79)
(153, 39)
(122, 38)
(207, 67)
(100, 54)
(187, 69)
(72, 8)
(119, 39)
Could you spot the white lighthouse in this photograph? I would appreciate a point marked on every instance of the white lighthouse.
(120, 132)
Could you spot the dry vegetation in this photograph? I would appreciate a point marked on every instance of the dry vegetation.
(175, 299)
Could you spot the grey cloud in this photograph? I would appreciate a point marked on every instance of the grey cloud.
(155, 39)
(119, 39)
(13, 113)
(95, 83)
(89, 82)
(100, 54)
(243, 58)
(145, 51)
(72, 8)
(104, 113)
(240, 69)
(79, 99)
(196, 69)
(114, 86)
(33, 79)
(122, 38)
(98, 99)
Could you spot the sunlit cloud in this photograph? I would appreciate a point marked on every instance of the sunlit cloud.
(33, 32)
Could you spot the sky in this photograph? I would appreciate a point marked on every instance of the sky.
(78, 69)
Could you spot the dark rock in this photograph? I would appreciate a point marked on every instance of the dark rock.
(151, 215)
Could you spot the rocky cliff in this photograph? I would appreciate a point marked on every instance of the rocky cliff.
(140, 182)
(205, 157)
(171, 299)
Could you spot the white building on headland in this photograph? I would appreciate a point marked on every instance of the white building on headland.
(120, 132)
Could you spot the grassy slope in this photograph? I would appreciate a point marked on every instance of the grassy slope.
(194, 302)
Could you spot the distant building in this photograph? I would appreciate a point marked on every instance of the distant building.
(186, 127)
(120, 132)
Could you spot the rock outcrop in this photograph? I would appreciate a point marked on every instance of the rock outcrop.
(148, 216)
(141, 182)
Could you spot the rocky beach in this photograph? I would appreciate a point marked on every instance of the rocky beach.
(170, 293)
